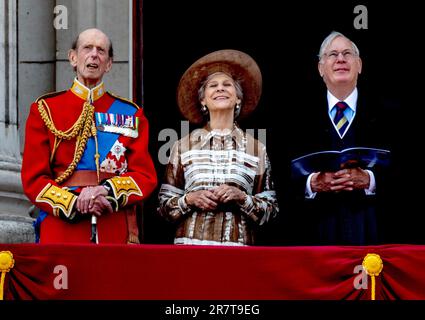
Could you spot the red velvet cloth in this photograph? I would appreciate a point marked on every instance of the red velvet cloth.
(168, 272)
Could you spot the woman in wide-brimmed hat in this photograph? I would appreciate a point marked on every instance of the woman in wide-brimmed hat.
(218, 187)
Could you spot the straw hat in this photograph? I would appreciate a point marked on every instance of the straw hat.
(237, 64)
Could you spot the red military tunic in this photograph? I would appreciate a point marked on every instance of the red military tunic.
(122, 143)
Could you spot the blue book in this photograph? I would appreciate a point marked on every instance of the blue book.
(333, 160)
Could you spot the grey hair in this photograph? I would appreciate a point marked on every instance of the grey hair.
(328, 40)
(238, 86)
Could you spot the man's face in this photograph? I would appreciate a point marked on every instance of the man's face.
(340, 66)
(91, 57)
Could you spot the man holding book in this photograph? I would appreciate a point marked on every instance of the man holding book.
(341, 206)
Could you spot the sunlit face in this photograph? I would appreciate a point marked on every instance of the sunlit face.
(91, 57)
(220, 93)
(340, 65)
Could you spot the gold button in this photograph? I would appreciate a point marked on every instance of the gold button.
(58, 195)
(53, 192)
(65, 197)
(118, 182)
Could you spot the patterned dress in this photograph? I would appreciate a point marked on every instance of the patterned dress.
(204, 160)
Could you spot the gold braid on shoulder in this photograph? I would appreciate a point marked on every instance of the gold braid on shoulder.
(81, 130)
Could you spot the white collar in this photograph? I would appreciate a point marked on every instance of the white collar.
(351, 100)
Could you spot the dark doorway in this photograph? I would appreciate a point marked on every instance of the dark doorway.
(284, 38)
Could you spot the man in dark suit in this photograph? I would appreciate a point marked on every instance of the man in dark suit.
(342, 207)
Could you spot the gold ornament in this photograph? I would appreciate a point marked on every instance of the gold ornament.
(6, 264)
(373, 266)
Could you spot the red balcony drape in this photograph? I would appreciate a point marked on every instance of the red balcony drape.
(168, 272)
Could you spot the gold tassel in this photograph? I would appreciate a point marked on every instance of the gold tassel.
(6, 264)
(373, 265)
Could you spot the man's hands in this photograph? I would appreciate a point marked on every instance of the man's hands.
(210, 199)
(342, 180)
(92, 201)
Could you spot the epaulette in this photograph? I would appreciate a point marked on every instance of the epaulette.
(123, 100)
(49, 95)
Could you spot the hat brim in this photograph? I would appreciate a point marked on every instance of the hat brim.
(237, 64)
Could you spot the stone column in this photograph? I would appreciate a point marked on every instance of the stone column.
(35, 65)
(15, 224)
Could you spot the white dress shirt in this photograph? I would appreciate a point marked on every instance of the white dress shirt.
(349, 113)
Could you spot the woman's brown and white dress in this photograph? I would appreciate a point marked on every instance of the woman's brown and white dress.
(206, 159)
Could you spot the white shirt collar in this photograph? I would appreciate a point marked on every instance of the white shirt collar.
(351, 100)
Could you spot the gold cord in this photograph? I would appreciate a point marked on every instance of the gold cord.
(76, 127)
(97, 155)
(82, 129)
(55, 147)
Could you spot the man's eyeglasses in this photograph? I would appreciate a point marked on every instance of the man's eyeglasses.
(333, 55)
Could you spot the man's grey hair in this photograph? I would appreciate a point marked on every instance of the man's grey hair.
(328, 40)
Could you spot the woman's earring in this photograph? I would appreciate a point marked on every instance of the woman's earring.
(204, 110)
(237, 110)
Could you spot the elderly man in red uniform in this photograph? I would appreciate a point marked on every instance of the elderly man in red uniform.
(86, 163)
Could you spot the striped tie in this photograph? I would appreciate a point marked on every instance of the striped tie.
(340, 120)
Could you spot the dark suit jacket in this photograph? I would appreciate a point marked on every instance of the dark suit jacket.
(344, 218)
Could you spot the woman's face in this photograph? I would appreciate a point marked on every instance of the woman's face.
(220, 93)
